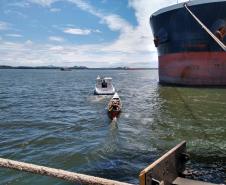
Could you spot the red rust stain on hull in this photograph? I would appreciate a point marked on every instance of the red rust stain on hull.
(193, 68)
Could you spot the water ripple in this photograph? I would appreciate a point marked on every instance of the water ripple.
(52, 118)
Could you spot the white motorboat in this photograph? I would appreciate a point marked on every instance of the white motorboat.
(104, 86)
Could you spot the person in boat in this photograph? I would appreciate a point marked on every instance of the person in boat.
(104, 84)
(114, 105)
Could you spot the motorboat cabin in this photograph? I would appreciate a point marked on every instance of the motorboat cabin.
(104, 86)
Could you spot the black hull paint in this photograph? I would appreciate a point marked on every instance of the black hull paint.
(177, 30)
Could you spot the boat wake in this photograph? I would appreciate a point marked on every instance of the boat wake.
(114, 124)
(126, 115)
(114, 119)
(97, 98)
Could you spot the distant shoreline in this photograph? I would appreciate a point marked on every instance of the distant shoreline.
(75, 68)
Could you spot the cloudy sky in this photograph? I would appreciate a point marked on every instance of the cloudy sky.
(93, 33)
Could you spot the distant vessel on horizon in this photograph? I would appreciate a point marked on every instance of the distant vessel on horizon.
(65, 69)
(190, 39)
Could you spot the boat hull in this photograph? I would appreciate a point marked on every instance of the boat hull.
(101, 92)
(113, 114)
(187, 54)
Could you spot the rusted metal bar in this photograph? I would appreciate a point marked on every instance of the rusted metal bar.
(167, 168)
(184, 181)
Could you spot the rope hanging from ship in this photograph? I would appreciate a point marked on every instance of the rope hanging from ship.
(217, 40)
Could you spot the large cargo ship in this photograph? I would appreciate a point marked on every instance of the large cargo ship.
(190, 38)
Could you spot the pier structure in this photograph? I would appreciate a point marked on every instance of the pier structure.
(167, 170)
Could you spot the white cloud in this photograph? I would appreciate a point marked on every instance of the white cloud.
(131, 39)
(43, 2)
(4, 25)
(28, 42)
(133, 45)
(93, 55)
(21, 4)
(86, 7)
(14, 13)
(77, 31)
(56, 48)
(55, 10)
(55, 38)
(13, 35)
(97, 31)
(116, 23)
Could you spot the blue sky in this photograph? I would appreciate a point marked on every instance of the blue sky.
(93, 33)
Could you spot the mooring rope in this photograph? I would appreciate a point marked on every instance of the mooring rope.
(221, 44)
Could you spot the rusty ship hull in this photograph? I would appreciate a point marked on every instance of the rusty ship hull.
(187, 54)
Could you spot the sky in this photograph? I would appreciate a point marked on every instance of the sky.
(92, 33)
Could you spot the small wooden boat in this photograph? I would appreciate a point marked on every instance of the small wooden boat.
(114, 106)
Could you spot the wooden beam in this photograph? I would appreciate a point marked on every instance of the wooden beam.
(60, 174)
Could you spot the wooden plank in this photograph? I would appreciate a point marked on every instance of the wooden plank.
(166, 169)
(183, 181)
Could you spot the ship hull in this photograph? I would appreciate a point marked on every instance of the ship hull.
(192, 68)
(187, 54)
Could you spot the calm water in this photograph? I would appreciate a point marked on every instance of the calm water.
(52, 118)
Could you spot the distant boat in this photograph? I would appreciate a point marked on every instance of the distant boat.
(114, 106)
(65, 69)
(104, 86)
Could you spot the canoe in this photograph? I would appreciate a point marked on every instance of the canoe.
(114, 106)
